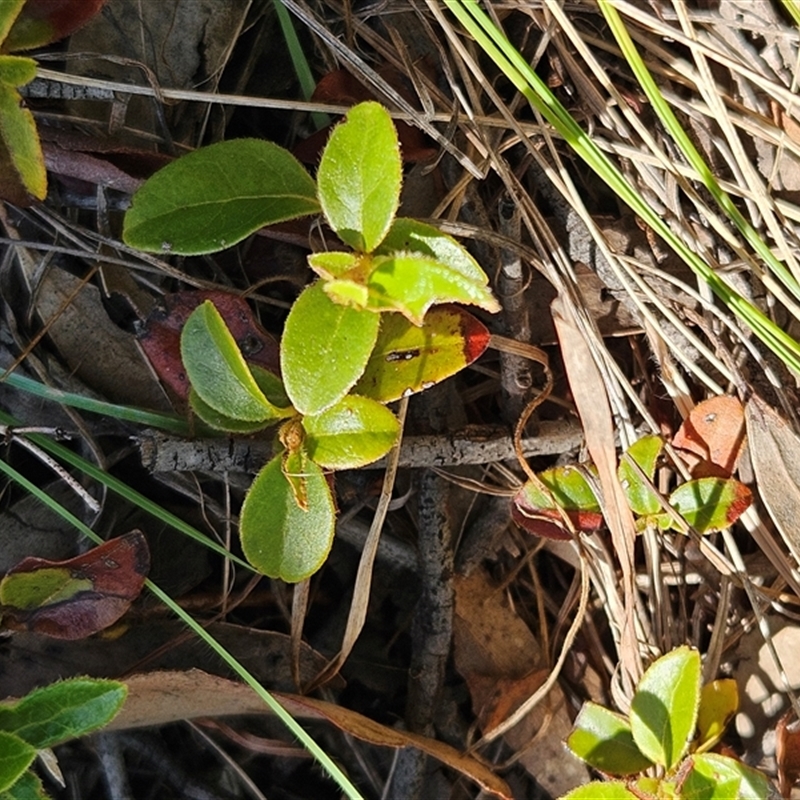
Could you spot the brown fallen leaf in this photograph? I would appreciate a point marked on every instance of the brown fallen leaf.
(157, 698)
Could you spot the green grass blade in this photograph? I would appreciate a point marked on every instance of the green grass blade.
(123, 490)
(690, 152)
(330, 767)
(299, 60)
(153, 419)
(524, 78)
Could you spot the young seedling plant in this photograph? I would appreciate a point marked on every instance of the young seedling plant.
(661, 749)
(707, 504)
(362, 335)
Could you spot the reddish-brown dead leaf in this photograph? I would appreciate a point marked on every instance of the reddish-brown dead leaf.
(711, 437)
(160, 335)
(108, 579)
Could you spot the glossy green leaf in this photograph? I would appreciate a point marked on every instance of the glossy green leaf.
(9, 9)
(272, 387)
(221, 422)
(408, 358)
(218, 195)
(63, 710)
(600, 790)
(711, 504)
(716, 777)
(353, 432)
(411, 283)
(537, 510)
(411, 236)
(22, 169)
(217, 370)
(604, 741)
(280, 539)
(639, 493)
(569, 488)
(28, 787)
(665, 705)
(719, 701)
(16, 756)
(336, 264)
(324, 349)
(359, 177)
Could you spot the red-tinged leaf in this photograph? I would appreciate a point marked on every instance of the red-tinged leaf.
(160, 335)
(711, 437)
(787, 753)
(536, 505)
(711, 504)
(45, 21)
(407, 359)
(75, 598)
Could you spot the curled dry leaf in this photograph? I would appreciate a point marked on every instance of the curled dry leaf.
(710, 438)
(75, 598)
(159, 697)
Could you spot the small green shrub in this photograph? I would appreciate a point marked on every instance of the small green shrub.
(661, 749)
(359, 337)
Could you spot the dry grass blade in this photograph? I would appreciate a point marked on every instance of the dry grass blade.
(588, 391)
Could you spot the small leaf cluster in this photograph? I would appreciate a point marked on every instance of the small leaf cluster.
(357, 338)
(46, 717)
(662, 748)
(706, 504)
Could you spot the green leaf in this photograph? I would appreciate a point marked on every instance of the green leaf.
(604, 741)
(216, 196)
(639, 493)
(28, 787)
(335, 264)
(569, 489)
(716, 777)
(221, 422)
(63, 710)
(411, 236)
(411, 283)
(22, 169)
(324, 349)
(711, 504)
(16, 756)
(408, 358)
(359, 177)
(280, 539)
(9, 9)
(664, 707)
(353, 432)
(599, 790)
(719, 701)
(217, 369)
(272, 387)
